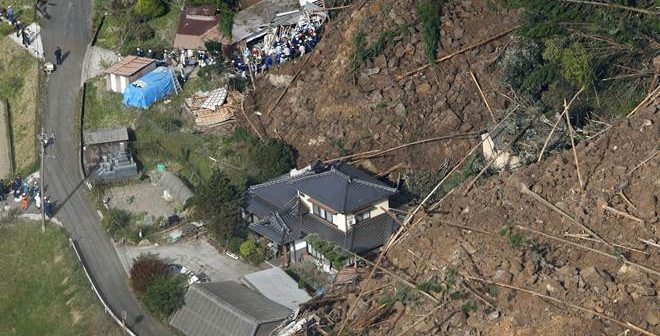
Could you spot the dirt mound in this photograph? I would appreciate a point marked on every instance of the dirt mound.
(488, 234)
(334, 108)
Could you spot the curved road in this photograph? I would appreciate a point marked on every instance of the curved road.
(68, 28)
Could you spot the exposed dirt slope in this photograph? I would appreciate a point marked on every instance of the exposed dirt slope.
(329, 110)
(609, 165)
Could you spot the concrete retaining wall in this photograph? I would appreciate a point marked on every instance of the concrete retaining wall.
(6, 157)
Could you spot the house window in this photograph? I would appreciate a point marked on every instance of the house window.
(363, 215)
(322, 213)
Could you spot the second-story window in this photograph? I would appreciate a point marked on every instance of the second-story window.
(363, 215)
(317, 210)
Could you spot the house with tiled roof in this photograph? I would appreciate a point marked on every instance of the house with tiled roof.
(197, 25)
(339, 203)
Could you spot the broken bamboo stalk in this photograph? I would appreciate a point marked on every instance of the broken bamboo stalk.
(611, 256)
(436, 204)
(351, 156)
(622, 213)
(642, 163)
(379, 152)
(586, 237)
(575, 155)
(552, 131)
(538, 198)
(491, 161)
(390, 170)
(458, 52)
(613, 5)
(277, 101)
(649, 242)
(624, 324)
(421, 319)
(446, 137)
(625, 199)
(249, 121)
(483, 97)
(646, 99)
(393, 239)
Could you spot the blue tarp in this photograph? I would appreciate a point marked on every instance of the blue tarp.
(149, 88)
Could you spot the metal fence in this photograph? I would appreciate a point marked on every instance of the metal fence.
(91, 282)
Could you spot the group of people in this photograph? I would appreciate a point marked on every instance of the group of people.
(25, 192)
(284, 48)
(19, 28)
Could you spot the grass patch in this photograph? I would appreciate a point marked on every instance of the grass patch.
(155, 34)
(44, 290)
(362, 52)
(104, 108)
(429, 12)
(20, 88)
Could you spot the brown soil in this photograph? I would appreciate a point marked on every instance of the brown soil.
(329, 111)
(593, 281)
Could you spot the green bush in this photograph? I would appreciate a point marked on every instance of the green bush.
(429, 12)
(252, 252)
(117, 222)
(226, 20)
(165, 295)
(149, 9)
(217, 201)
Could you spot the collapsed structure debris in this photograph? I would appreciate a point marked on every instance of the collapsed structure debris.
(214, 107)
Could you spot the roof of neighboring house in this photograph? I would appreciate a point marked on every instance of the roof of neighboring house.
(175, 187)
(278, 286)
(227, 309)
(105, 135)
(129, 65)
(252, 22)
(193, 26)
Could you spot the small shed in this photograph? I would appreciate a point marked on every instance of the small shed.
(278, 286)
(174, 188)
(197, 25)
(227, 309)
(127, 71)
(106, 155)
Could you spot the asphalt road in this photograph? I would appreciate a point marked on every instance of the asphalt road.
(68, 28)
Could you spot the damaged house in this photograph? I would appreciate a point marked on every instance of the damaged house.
(259, 19)
(337, 202)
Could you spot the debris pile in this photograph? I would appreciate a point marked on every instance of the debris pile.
(214, 107)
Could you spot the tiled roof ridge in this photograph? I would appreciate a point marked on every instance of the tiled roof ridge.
(376, 185)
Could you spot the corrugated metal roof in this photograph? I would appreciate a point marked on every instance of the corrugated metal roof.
(226, 309)
(129, 65)
(105, 135)
(278, 286)
(175, 187)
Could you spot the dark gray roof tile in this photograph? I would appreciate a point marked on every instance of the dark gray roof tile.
(226, 309)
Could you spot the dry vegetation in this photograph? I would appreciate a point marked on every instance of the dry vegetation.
(19, 86)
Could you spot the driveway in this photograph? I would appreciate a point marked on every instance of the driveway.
(68, 28)
(196, 255)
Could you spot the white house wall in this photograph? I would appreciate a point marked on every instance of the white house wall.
(341, 220)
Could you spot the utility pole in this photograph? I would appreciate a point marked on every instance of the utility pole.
(44, 140)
